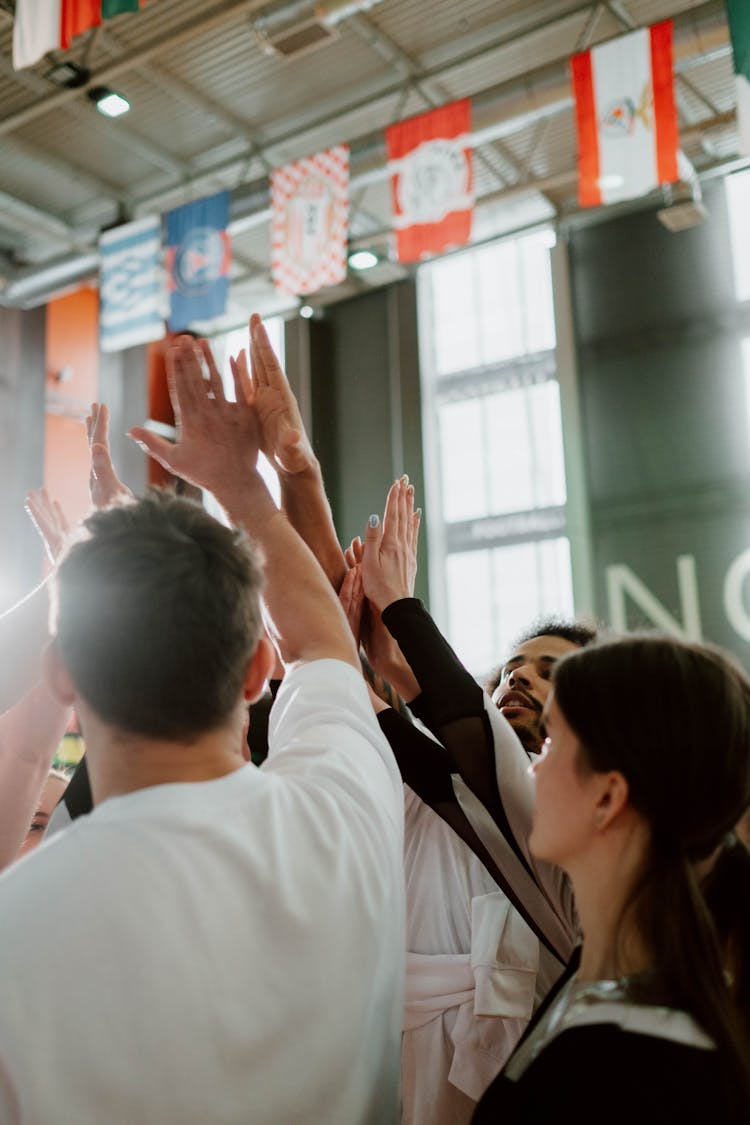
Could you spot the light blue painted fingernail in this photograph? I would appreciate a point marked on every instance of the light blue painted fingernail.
(374, 521)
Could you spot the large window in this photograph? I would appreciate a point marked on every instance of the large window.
(499, 556)
(738, 203)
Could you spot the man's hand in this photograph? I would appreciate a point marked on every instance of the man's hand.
(104, 484)
(389, 561)
(283, 438)
(50, 521)
(352, 598)
(217, 441)
(382, 650)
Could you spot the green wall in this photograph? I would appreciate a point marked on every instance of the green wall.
(665, 422)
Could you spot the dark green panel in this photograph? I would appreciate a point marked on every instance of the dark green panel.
(665, 414)
(664, 417)
(631, 273)
(650, 548)
(22, 426)
(366, 405)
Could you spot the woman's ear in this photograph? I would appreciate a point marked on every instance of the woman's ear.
(56, 675)
(613, 798)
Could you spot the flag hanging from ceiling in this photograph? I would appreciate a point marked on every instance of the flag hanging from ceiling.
(626, 118)
(198, 258)
(309, 222)
(432, 180)
(48, 25)
(132, 293)
(738, 12)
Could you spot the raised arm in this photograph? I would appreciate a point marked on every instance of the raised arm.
(217, 449)
(490, 767)
(104, 484)
(30, 729)
(285, 443)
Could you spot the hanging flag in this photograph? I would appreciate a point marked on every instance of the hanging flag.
(432, 180)
(198, 259)
(309, 222)
(48, 25)
(131, 285)
(626, 118)
(738, 13)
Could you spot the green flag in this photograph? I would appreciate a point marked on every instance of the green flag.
(738, 14)
(114, 7)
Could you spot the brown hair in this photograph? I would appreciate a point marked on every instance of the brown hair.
(674, 719)
(157, 614)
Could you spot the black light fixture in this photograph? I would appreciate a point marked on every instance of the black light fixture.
(107, 101)
(69, 75)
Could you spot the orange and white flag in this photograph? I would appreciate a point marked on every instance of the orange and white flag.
(432, 180)
(626, 118)
(310, 222)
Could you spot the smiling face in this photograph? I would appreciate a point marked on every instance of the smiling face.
(525, 686)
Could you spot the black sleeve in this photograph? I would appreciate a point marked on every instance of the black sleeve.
(77, 796)
(426, 767)
(447, 690)
(450, 703)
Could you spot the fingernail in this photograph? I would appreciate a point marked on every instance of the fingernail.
(418, 512)
(404, 479)
(374, 521)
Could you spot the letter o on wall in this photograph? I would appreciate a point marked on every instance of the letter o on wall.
(734, 606)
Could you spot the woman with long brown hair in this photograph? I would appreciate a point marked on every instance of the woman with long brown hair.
(645, 772)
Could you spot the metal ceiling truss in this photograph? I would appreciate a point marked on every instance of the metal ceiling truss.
(547, 88)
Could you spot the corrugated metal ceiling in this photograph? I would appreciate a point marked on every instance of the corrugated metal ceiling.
(211, 109)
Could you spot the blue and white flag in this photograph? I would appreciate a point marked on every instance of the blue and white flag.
(131, 285)
(198, 259)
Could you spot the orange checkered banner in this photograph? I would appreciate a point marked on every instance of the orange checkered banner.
(310, 222)
(432, 180)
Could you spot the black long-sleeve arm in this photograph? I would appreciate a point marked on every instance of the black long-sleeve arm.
(451, 705)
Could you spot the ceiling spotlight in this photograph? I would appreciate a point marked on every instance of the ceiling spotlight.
(306, 311)
(363, 260)
(68, 74)
(108, 102)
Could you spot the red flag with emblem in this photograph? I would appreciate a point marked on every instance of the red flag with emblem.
(432, 180)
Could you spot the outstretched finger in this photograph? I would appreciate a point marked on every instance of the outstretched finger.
(405, 509)
(257, 358)
(156, 446)
(353, 553)
(391, 513)
(99, 431)
(214, 377)
(184, 379)
(243, 385)
(371, 542)
(62, 519)
(272, 371)
(416, 520)
(351, 597)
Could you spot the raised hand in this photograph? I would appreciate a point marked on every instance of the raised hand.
(389, 561)
(49, 519)
(104, 484)
(352, 598)
(283, 437)
(217, 441)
